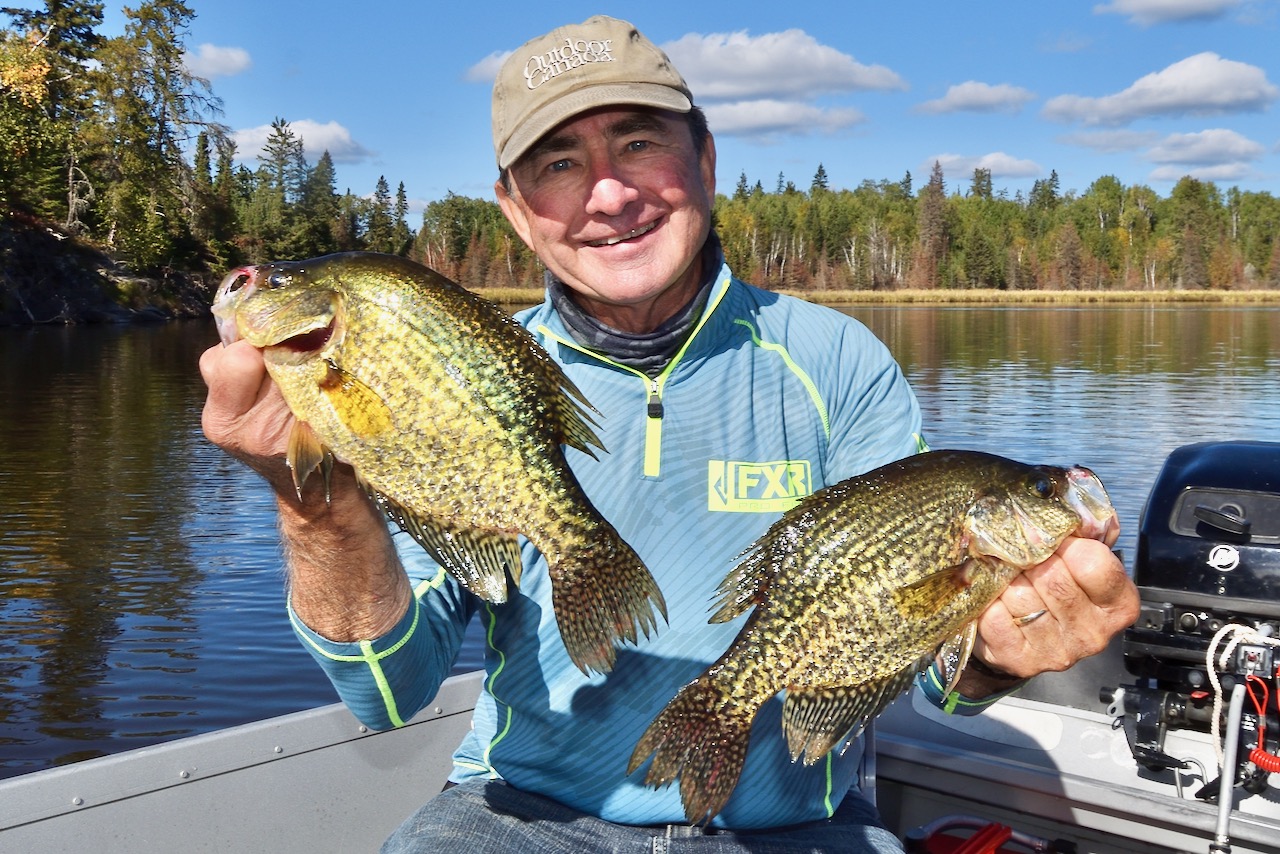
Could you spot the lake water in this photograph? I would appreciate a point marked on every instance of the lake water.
(140, 584)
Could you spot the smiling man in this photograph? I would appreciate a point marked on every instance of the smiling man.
(720, 404)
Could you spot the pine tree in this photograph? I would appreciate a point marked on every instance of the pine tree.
(379, 236)
(401, 236)
(931, 232)
(820, 183)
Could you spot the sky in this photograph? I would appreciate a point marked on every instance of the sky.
(1146, 91)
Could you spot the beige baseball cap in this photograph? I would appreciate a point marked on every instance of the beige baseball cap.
(601, 62)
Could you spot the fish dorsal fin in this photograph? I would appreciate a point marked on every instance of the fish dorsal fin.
(928, 595)
(745, 585)
(306, 454)
(479, 560)
(954, 656)
(567, 406)
(360, 409)
(572, 412)
(815, 720)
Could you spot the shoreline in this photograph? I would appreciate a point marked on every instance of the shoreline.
(530, 296)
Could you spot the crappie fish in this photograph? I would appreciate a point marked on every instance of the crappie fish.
(855, 589)
(453, 418)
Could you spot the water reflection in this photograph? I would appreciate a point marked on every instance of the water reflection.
(140, 591)
(104, 487)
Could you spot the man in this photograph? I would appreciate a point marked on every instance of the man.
(720, 405)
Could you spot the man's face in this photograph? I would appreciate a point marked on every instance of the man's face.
(617, 204)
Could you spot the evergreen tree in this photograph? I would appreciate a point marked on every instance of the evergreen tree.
(45, 96)
(379, 232)
(980, 187)
(931, 232)
(819, 181)
(315, 216)
(152, 107)
(401, 236)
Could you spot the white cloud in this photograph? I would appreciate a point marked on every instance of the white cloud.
(1001, 165)
(1149, 12)
(737, 66)
(212, 61)
(1215, 147)
(771, 116)
(1202, 84)
(316, 139)
(486, 70)
(975, 97)
(1111, 141)
(1221, 172)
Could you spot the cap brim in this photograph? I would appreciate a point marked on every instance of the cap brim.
(543, 121)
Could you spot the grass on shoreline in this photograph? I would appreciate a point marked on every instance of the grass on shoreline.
(526, 296)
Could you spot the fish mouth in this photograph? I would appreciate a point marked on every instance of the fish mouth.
(308, 342)
(294, 326)
(232, 291)
(630, 235)
(1088, 498)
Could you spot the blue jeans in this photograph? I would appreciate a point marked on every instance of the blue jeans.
(491, 816)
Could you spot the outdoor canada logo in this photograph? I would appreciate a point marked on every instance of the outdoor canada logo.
(744, 487)
(574, 53)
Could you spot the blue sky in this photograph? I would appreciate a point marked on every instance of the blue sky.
(1145, 90)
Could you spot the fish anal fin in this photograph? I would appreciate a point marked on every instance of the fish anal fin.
(479, 560)
(360, 409)
(816, 720)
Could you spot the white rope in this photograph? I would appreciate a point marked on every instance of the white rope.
(1240, 634)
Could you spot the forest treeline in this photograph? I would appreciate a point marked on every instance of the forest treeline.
(116, 142)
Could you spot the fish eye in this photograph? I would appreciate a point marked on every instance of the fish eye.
(1043, 487)
(279, 279)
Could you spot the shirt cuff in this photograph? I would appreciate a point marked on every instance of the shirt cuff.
(930, 683)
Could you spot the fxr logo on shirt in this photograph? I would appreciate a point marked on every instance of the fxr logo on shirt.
(743, 487)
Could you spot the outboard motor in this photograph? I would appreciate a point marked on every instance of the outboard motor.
(1208, 570)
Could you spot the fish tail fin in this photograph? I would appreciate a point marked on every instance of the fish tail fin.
(701, 738)
(602, 594)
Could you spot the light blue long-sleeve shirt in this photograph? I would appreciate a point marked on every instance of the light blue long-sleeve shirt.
(770, 399)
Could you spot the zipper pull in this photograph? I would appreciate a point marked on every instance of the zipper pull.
(655, 402)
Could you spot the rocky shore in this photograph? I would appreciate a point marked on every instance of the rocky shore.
(50, 277)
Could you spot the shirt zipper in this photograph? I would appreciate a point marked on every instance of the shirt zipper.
(654, 408)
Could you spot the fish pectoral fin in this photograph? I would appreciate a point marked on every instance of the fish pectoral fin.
(360, 409)
(306, 454)
(816, 720)
(929, 594)
(479, 560)
(955, 654)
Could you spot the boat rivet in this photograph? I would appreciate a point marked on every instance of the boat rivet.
(279, 749)
(78, 801)
(438, 710)
(363, 728)
(184, 774)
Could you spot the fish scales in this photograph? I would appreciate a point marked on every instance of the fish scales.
(453, 417)
(852, 593)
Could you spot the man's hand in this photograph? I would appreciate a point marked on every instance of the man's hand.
(244, 412)
(1055, 614)
(345, 578)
